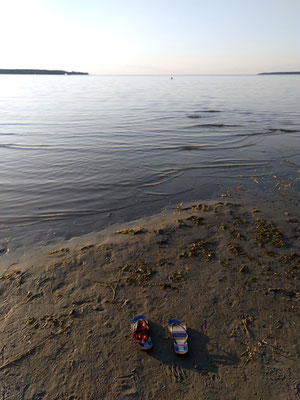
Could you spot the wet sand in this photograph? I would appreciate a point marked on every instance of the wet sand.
(229, 269)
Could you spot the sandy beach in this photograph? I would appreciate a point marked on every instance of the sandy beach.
(228, 268)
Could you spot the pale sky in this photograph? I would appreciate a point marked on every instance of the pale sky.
(151, 36)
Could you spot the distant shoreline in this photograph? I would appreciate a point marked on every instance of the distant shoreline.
(39, 72)
(280, 73)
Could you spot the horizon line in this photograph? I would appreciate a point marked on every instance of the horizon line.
(101, 74)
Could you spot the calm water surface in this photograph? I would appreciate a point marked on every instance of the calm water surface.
(80, 153)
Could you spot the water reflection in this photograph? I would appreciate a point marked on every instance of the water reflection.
(73, 151)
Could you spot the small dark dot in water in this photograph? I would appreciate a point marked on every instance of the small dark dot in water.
(194, 116)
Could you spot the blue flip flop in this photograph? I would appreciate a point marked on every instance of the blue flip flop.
(178, 332)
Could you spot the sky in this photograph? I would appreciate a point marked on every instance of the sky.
(151, 36)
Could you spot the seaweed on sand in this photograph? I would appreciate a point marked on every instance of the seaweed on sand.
(292, 262)
(175, 276)
(201, 207)
(232, 232)
(196, 249)
(198, 207)
(268, 233)
(197, 220)
(236, 249)
(59, 252)
(138, 274)
(30, 296)
(14, 275)
(240, 222)
(135, 231)
(182, 224)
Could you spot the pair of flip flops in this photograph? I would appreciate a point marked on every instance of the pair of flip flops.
(177, 330)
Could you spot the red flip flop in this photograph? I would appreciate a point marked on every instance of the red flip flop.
(141, 332)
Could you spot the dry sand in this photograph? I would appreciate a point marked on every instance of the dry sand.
(228, 270)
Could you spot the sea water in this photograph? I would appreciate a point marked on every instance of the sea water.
(78, 153)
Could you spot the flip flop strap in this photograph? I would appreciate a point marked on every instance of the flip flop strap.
(136, 330)
(182, 328)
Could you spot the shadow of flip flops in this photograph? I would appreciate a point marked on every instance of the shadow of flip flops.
(198, 359)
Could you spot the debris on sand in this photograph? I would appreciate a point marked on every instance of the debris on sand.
(138, 274)
(196, 249)
(135, 231)
(268, 233)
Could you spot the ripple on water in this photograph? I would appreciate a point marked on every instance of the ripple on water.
(71, 154)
